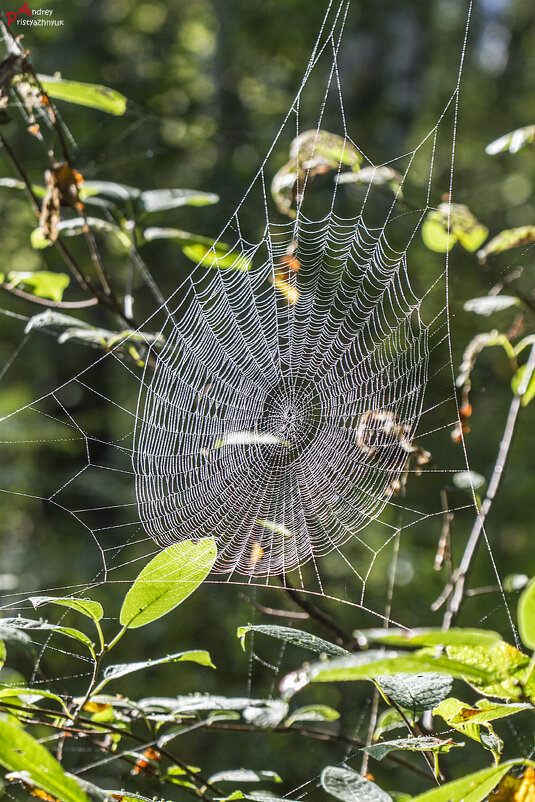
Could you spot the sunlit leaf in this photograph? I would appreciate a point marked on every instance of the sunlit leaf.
(466, 480)
(504, 666)
(244, 776)
(505, 240)
(490, 304)
(14, 183)
(451, 223)
(373, 663)
(87, 607)
(312, 153)
(215, 257)
(159, 200)
(416, 692)
(53, 319)
(427, 637)
(513, 141)
(517, 383)
(515, 789)
(312, 713)
(271, 526)
(474, 348)
(31, 695)
(422, 744)
(349, 786)
(486, 710)
(167, 580)
(31, 624)
(526, 616)
(93, 95)
(374, 176)
(121, 669)
(20, 752)
(294, 636)
(451, 709)
(471, 788)
(42, 283)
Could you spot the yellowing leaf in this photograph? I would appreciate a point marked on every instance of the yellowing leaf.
(451, 223)
(505, 240)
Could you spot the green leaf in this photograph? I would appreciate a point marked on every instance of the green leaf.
(110, 189)
(312, 713)
(461, 224)
(53, 319)
(31, 695)
(167, 580)
(373, 663)
(504, 666)
(271, 526)
(215, 257)
(505, 240)
(473, 787)
(312, 152)
(3, 653)
(294, 636)
(485, 711)
(20, 752)
(517, 383)
(69, 632)
(93, 95)
(416, 692)
(76, 226)
(244, 776)
(374, 176)
(159, 200)
(427, 637)
(122, 669)
(466, 480)
(42, 283)
(92, 609)
(513, 141)
(451, 710)
(474, 348)
(14, 183)
(490, 304)
(422, 744)
(347, 785)
(526, 616)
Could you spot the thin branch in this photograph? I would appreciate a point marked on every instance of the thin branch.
(271, 610)
(455, 590)
(341, 637)
(320, 735)
(47, 302)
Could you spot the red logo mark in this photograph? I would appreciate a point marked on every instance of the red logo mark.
(12, 15)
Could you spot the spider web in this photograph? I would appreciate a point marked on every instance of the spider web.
(296, 402)
(279, 409)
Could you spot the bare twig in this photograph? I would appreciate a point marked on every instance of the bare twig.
(271, 610)
(455, 589)
(341, 637)
(49, 303)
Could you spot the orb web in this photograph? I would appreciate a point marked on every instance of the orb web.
(282, 426)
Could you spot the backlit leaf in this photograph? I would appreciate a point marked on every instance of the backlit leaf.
(504, 665)
(451, 223)
(167, 580)
(93, 95)
(87, 607)
(517, 382)
(526, 616)
(513, 141)
(505, 240)
(490, 304)
(423, 744)
(20, 752)
(42, 283)
(121, 669)
(312, 713)
(159, 200)
(471, 788)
